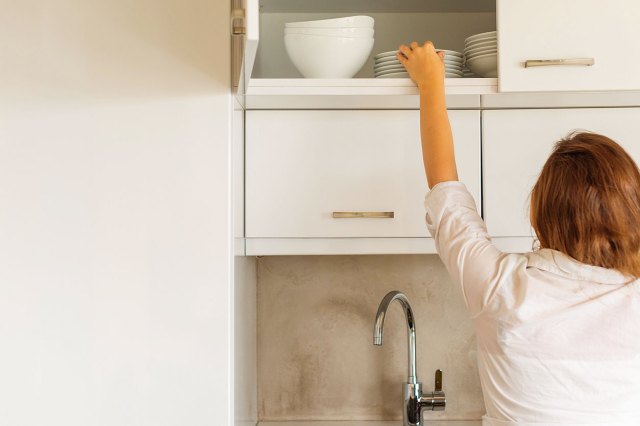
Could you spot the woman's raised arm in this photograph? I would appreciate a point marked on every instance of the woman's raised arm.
(426, 68)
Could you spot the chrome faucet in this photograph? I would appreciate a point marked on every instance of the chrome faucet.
(415, 402)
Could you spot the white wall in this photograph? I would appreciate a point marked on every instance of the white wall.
(114, 212)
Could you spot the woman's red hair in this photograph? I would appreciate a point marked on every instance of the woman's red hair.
(586, 203)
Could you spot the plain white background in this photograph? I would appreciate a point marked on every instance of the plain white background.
(114, 212)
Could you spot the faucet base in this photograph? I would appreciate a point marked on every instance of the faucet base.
(415, 402)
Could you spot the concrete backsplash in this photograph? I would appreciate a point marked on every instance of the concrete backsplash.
(316, 360)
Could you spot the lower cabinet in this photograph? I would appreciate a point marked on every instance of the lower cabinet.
(345, 174)
(516, 144)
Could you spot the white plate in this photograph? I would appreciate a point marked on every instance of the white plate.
(406, 75)
(484, 65)
(449, 52)
(376, 74)
(386, 60)
(394, 75)
(388, 68)
(447, 67)
(386, 64)
(392, 53)
(475, 37)
(448, 73)
(453, 63)
(385, 54)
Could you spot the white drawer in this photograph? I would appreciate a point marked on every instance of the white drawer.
(302, 166)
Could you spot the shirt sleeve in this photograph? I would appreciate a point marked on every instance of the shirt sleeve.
(463, 243)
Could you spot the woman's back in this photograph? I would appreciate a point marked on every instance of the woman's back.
(559, 343)
(557, 339)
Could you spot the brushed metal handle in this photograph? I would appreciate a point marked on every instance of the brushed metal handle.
(237, 14)
(361, 215)
(587, 62)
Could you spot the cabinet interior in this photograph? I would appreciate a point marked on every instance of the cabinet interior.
(445, 22)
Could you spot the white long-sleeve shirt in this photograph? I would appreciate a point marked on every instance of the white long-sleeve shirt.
(558, 340)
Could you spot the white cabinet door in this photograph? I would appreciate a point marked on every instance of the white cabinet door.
(605, 31)
(301, 166)
(516, 144)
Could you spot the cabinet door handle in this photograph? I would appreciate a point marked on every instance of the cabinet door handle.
(361, 215)
(587, 62)
(237, 15)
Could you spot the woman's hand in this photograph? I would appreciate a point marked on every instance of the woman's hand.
(423, 63)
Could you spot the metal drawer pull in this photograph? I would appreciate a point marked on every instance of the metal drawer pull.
(555, 62)
(367, 215)
(237, 14)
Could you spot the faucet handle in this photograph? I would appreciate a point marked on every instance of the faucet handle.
(439, 400)
(438, 385)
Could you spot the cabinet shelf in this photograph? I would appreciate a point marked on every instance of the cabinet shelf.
(373, 6)
(364, 93)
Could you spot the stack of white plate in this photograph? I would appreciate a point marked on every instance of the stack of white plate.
(329, 48)
(481, 54)
(387, 65)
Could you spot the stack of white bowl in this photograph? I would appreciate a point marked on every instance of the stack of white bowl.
(467, 73)
(329, 48)
(387, 65)
(481, 54)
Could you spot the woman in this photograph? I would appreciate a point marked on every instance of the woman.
(558, 329)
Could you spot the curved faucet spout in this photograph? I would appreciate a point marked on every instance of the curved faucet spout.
(411, 328)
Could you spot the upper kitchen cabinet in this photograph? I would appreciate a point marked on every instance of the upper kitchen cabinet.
(516, 144)
(269, 72)
(568, 45)
(344, 182)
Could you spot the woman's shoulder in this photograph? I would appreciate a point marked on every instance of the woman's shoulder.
(563, 265)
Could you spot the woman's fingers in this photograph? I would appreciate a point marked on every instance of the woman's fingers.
(406, 51)
(414, 45)
(403, 60)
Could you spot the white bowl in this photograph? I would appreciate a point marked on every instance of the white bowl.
(327, 57)
(490, 52)
(480, 51)
(476, 37)
(481, 43)
(484, 65)
(335, 32)
(346, 22)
